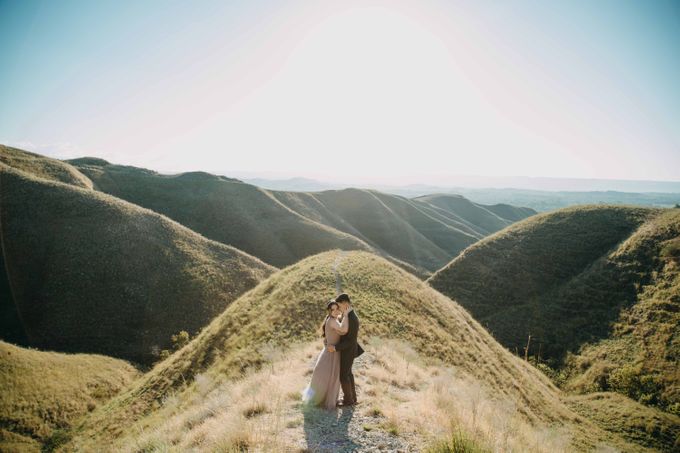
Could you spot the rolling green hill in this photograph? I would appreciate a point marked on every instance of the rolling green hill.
(404, 229)
(222, 209)
(43, 167)
(280, 228)
(47, 391)
(190, 399)
(86, 272)
(598, 289)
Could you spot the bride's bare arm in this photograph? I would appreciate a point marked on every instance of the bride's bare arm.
(340, 327)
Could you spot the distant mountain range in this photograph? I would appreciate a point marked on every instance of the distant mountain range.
(552, 194)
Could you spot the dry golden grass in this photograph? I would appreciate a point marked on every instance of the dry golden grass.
(43, 167)
(392, 304)
(416, 401)
(41, 392)
(598, 289)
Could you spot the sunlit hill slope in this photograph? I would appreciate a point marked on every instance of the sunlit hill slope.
(283, 227)
(283, 312)
(598, 290)
(44, 392)
(84, 271)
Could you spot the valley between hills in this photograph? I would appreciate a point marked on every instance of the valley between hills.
(144, 312)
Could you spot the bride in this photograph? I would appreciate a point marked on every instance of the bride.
(324, 387)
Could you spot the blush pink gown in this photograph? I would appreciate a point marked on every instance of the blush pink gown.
(324, 387)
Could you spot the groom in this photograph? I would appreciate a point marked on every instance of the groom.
(349, 349)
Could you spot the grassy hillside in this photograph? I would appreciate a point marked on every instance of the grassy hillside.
(631, 420)
(47, 391)
(222, 209)
(44, 167)
(87, 272)
(396, 225)
(283, 227)
(599, 283)
(486, 220)
(190, 391)
(509, 212)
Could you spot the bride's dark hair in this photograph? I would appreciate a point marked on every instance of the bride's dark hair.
(329, 307)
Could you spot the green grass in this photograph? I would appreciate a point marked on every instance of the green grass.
(632, 421)
(223, 209)
(284, 227)
(413, 231)
(44, 393)
(91, 273)
(483, 218)
(596, 287)
(285, 309)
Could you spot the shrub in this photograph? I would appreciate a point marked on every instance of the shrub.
(457, 442)
(180, 339)
(58, 438)
(631, 381)
(559, 377)
(671, 249)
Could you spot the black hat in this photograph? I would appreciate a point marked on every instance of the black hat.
(344, 297)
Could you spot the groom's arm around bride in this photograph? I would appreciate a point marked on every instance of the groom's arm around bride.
(349, 349)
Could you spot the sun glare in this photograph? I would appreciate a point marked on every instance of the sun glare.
(379, 86)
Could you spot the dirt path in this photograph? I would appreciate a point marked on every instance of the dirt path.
(348, 429)
(338, 277)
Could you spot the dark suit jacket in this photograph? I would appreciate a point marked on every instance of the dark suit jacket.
(348, 345)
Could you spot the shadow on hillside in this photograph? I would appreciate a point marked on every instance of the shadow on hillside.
(11, 327)
(328, 431)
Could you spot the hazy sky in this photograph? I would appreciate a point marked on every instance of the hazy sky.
(397, 91)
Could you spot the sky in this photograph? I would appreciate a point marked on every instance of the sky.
(379, 91)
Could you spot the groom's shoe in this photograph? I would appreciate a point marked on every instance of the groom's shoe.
(349, 393)
(342, 403)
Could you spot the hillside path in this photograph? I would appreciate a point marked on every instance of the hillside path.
(347, 429)
(338, 277)
(354, 429)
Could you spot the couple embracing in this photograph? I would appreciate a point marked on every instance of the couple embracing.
(333, 367)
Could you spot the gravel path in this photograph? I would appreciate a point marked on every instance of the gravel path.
(348, 429)
(338, 277)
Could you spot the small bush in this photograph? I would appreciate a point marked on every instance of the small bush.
(631, 381)
(671, 249)
(180, 339)
(58, 438)
(255, 410)
(391, 427)
(559, 377)
(457, 442)
(375, 412)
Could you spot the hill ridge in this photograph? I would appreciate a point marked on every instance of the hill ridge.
(599, 304)
(356, 223)
(285, 309)
(69, 230)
